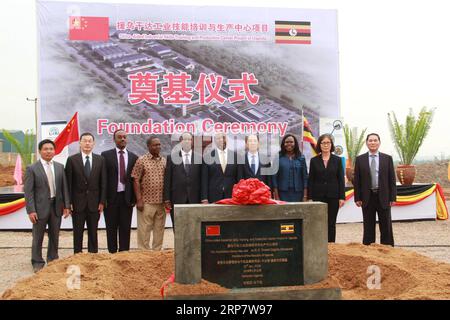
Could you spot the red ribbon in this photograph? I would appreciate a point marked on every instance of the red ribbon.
(10, 208)
(166, 284)
(250, 191)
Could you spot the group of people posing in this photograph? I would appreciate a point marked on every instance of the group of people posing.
(117, 180)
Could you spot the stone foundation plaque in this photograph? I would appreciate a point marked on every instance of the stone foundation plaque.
(259, 253)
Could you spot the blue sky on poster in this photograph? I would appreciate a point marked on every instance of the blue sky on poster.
(393, 55)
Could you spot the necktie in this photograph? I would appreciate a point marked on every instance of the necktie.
(50, 179)
(222, 160)
(253, 165)
(87, 167)
(187, 163)
(373, 172)
(122, 174)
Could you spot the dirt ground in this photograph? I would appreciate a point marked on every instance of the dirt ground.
(428, 238)
(7, 176)
(407, 272)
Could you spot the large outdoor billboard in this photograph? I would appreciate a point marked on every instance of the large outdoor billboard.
(157, 69)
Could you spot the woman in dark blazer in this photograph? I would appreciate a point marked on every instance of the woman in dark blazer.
(326, 181)
(291, 180)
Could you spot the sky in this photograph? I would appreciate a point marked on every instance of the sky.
(393, 56)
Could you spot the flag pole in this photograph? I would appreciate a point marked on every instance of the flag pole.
(35, 111)
(35, 121)
(78, 123)
(303, 128)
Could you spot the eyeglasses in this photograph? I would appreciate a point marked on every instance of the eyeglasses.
(325, 143)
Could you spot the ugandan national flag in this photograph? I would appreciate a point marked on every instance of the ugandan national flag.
(293, 32)
(349, 194)
(11, 206)
(308, 135)
(287, 228)
(408, 195)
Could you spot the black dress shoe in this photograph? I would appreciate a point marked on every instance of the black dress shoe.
(36, 268)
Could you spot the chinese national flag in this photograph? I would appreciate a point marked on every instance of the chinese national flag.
(213, 231)
(89, 28)
(68, 135)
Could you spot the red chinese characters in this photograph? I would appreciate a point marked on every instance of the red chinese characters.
(177, 91)
(201, 26)
(211, 84)
(143, 88)
(241, 88)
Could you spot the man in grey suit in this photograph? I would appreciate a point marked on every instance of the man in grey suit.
(47, 199)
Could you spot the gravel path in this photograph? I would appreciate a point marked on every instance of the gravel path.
(430, 238)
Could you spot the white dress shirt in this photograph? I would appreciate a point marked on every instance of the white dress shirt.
(249, 157)
(120, 185)
(189, 154)
(83, 156)
(223, 152)
(49, 166)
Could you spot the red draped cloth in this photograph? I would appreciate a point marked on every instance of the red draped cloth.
(250, 191)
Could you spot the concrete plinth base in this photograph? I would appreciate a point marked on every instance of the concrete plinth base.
(314, 235)
(268, 294)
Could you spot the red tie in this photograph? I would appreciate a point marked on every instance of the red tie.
(121, 167)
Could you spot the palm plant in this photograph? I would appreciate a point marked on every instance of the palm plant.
(408, 137)
(26, 149)
(354, 142)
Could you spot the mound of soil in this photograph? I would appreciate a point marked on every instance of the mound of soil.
(404, 274)
(139, 275)
(7, 176)
(433, 171)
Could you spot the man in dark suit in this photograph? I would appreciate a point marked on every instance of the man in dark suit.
(254, 166)
(220, 172)
(375, 190)
(120, 197)
(46, 198)
(182, 175)
(86, 177)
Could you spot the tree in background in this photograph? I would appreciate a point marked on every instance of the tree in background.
(354, 142)
(408, 138)
(25, 149)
